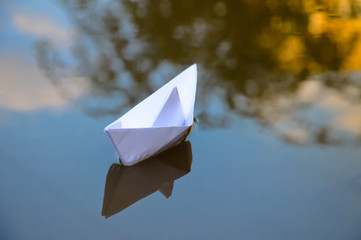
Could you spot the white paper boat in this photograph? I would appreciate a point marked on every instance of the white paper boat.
(158, 122)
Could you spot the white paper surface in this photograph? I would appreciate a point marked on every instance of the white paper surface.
(156, 123)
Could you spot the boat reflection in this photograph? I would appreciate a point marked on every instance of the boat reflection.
(126, 185)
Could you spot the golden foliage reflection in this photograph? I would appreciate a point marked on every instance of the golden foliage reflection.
(294, 66)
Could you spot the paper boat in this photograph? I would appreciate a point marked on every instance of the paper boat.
(158, 122)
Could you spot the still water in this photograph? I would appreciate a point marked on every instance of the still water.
(276, 150)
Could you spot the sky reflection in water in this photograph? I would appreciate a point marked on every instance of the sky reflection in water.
(268, 72)
(295, 70)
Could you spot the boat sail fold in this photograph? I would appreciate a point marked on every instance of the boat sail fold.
(158, 122)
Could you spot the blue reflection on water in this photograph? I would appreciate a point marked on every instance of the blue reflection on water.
(243, 184)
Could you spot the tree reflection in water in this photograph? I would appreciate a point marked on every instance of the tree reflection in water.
(283, 63)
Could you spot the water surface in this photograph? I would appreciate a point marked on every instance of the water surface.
(276, 150)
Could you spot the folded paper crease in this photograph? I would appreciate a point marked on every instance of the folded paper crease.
(156, 123)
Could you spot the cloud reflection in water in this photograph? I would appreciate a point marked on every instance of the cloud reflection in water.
(292, 67)
(260, 65)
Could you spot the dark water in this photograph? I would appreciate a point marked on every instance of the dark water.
(275, 154)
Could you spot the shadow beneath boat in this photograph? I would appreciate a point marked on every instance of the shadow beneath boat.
(126, 185)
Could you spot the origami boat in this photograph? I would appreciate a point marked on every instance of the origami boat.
(158, 122)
